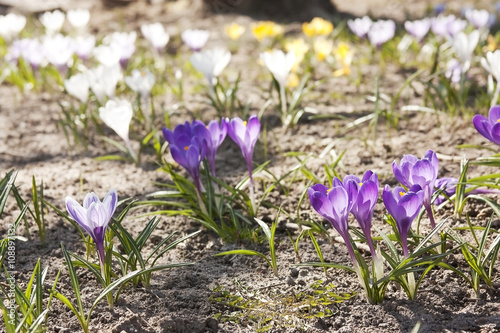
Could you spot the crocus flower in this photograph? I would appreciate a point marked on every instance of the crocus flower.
(52, 21)
(464, 46)
(439, 24)
(30, 49)
(449, 186)
(124, 43)
(279, 64)
(360, 26)
(403, 207)
(11, 25)
(78, 18)
(381, 31)
(234, 30)
(156, 35)
(84, 46)
(479, 18)
(492, 64)
(265, 29)
(455, 26)
(343, 55)
(423, 172)
(103, 80)
(245, 134)
(59, 50)
(453, 70)
(117, 115)
(322, 47)
(213, 134)
(317, 27)
(364, 200)
(195, 39)
(94, 216)
(299, 47)
(187, 149)
(418, 28)
(334, 205)
(107, 55)
(211, 63)
(489, 127)
(78, 86)
(141, 82)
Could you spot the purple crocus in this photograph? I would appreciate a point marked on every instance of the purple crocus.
(334, 205)
(418, 28)
(423, 172)
(360, 26)
(479, 18)
(489, 127)
(366, 194)
(94, 216)
(245, 134)
(449, 186)
(381, 31)
(403, 207)
(447, 25)
(187, 149)
(214, 134)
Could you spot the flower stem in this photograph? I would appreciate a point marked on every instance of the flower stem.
(284, 113)
(428, 208)
(495, 95)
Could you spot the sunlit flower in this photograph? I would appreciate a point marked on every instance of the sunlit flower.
(211, 63)
(449, 187)
(234, 30)
(265, 29)
(78, 86)
(103, 80)
(94, 216)
(52, 21)
(418, 28)
(11, 25)
(334, 205)
(479, 18)
(447, 25)
(489, 127)
(78, 18)
(404, 207)
(30, 49)
(491, 45)
(117, 115)
(453, 70)
(279, 64)
(187, 149)
(381, 31)
(464, 46)
(107, 55)
(317, 27)
(195, 39)
(84, 46)
(299, 47)
(492, 64)
(156, 35)
(422, 172)
(123, 43)
(455, 26)
(59, 50)
(360, 26)
(213, 135)
(322, 47)
(141, 82)
(344, 56)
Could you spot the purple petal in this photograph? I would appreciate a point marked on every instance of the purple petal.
(77, 213)
(110, 201)
(97, 216)
(482, 125)
(423, 173)
(340, 201)
(253, 128)
(89, 199)
(495, 133)
(178, 154)
(494, 114)
(168, 135)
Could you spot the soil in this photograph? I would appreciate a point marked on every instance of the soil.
(191, 299)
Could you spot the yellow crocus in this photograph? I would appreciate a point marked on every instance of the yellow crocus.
(492, 44)
(234, 30)
(265, 29)
(344, 56)
(317, 27)
(322, 47)
(300, 48)
(293, 80)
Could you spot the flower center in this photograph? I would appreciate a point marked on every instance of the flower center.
(245, 123)
(328, 191)
(360, 184)
(401, 193)
(186, 148)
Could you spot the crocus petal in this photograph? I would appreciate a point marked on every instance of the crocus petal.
(89, 199)
(494, 114)
(495, 133)
(97, 215)
(110, 201)
(482, 125)
(77, 213)
(179, 156)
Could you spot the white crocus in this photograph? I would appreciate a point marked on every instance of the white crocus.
(52, 21)
(11, 25)
(103, 80)
(78, 86)
(464, 46)
(117, 115)
(141, 82)
(279, 64)
(78, 18)
(107, 55)
(59, 50)
(492, 64)
(211, 63)
(156, 35)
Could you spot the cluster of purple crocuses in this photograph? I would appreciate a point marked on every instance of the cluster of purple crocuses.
(418, 176)
(190, 143)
